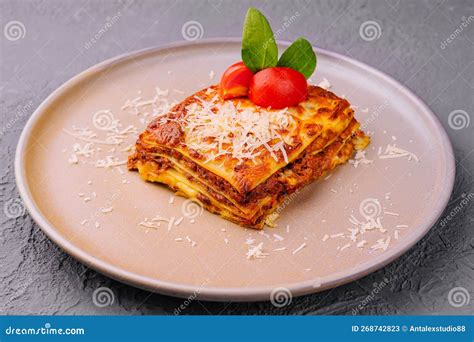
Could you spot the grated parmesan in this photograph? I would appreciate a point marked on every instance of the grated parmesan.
(256, 252)
(249, 241)
(359, 158)
(171, 223)
(345, 246)
(391, 151)
(73, 159)
(324, 84)
(216, 128)
(300, 248)
(336, 235)
(278, 237)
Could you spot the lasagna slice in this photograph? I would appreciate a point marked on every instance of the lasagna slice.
(241, 161)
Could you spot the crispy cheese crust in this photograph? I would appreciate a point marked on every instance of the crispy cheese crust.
(319, 134)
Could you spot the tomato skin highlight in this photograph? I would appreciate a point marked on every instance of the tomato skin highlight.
(278, 87)
(235, 81)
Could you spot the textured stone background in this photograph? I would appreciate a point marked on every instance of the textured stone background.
(38, 278)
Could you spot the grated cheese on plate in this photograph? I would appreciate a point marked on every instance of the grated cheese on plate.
(391, 151)
(256, 252)
(300, 248)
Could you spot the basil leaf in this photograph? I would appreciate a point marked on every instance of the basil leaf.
(300, 57)
(259, 49)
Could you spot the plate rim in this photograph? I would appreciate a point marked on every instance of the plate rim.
(236, 294)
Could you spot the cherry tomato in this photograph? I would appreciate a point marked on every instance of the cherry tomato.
(235, 81)
(278, 87)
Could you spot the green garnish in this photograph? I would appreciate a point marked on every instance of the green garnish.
(259, 49)
(299, 56)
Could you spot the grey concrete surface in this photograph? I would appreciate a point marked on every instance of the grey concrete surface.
(426, 45)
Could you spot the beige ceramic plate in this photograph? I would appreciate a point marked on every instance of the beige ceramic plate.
(94, 213)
